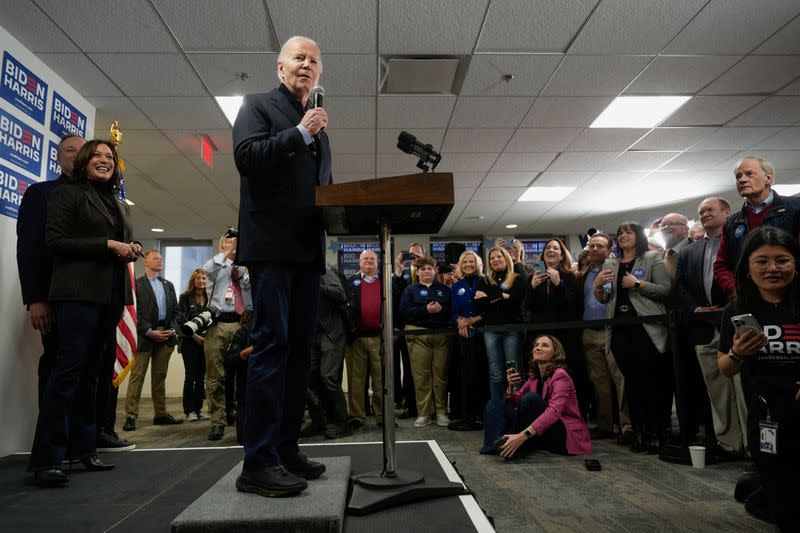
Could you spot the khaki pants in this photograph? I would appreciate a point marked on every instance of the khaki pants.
(158, 374)
(605, 374)
(363, 357)
(429, 360)
(218, 337)
(728, 405)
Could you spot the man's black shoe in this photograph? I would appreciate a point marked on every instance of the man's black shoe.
(311, 429)
(337, 431)
(355, 423)
(93, 463)
(106, 442)
(406, 414)
(302, 466)
(747, 484)
(465, 424)
(166, 420)
(55, 477)
(230, 418)
(129, 425)
(216, 433)
(757, 504)
(273, 482)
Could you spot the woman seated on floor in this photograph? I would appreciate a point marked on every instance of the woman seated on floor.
(543, 413)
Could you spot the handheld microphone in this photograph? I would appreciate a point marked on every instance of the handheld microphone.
(315, 97)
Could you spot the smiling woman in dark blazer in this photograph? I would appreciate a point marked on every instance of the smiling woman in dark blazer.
(90, 240)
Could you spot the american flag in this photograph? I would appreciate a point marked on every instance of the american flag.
(126, 336)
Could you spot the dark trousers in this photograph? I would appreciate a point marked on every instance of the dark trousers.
(692, 404)
(404, 384)
(67, 418)
(48, 360)
(285, 302)
(326, 401)
(467, 380)
(640, 362)
(500, 418)
(194, 363)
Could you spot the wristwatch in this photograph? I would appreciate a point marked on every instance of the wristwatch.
(733, 355)
(528, 433)
(637, 284)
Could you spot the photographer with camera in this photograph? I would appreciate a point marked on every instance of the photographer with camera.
(229, 298)
(195, 319)
(157, 313)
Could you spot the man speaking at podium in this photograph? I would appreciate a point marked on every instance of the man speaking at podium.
(282, 153)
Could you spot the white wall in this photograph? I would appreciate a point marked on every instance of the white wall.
(20, 344)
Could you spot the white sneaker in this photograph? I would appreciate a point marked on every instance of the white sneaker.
(442, 420)
(423, 421)
(191, 417)
(202, 416)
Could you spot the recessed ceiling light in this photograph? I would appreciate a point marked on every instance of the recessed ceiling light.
(129, 202)
(638, 111)
(545, 194)
(511, 226)
(230, 106)
(157, 230)
(787, 189)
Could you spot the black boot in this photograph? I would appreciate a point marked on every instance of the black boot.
(653, 440)
(640, 441)
(315, 427)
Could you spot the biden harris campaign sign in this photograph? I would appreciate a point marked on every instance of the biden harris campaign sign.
(20, 143)
(65, 119)
(53, 166)
(22, 88)
(12, 188)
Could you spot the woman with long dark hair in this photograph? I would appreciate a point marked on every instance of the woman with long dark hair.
(191, 303)
(543, 413)
(90, 239)
(767, 356)
(634, 285)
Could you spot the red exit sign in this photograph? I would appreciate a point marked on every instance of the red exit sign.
(207, 150)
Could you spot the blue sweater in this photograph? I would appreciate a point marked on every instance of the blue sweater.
(414, 301)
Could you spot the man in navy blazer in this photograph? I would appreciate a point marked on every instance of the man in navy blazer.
(282, 153)
(33, 261)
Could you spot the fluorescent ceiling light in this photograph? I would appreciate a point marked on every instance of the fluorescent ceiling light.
(638, 111)
(511, 226)
(129, 202)
(787, 189)
(230, 106)
(545, 194)
(157, 230)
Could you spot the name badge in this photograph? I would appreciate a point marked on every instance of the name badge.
(229, 294)
(768, 437)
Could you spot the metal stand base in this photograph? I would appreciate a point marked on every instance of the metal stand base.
(377, 480)
(377, 492)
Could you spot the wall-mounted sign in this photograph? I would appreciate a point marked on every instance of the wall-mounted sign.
(22, 88)
(12, 188)
(53, 166)
(65, 119)
(20, 144)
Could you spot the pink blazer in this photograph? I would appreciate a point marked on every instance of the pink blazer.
(562, 404)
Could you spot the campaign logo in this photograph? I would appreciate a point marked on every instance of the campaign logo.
(53, 166)
(12, 188)
(23, 89)
(65, 119)
(20, 144)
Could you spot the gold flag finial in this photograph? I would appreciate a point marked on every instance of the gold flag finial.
(115, 134)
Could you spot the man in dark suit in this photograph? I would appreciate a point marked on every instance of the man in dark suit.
(700, 293)
(157, 323)
(33, 261)
(282, 154)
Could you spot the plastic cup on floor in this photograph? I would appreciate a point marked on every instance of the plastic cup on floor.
(698, 455)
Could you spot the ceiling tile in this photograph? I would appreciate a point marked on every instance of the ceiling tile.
(734, 138)
(145, 142)
(693, 161)
(387, 139)
(508, 179)
(562, 179)
(487, 208)
(672, 138)
(542, 139)
(594, 75)
(606, 139)
(774, 111)
(346, 164)
(350, 112)
(756, 75)
(711, 110)
(338, 27)
(710, 32)
(500, 193)
(786, 41)
(792, 88)
(166, 169)
(672, 75)
(189, 142)
(25, 21)
(415, 111)
(221, 72)
(532, 25)
(353, 141)
(184, 113)
(467, 179)
(486, 112)
(647, 29)
(476, 162)
(788, 139)
(349, 75)
(781, 159)
(463, 194)
(143, 74)
(116, 25)
(81, 74)
(121, 109)
(581, 161)
(528, 162)
(422, 27)
(565, 112)
(530, 72)
(397, 164)
(466, 141)
(640, 160)
(230, 26)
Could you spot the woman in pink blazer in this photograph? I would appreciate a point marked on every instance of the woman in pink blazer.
(543, 413)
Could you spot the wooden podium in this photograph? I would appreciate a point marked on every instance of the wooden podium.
(411, 204)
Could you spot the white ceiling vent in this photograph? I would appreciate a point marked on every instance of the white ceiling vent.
(432, 75)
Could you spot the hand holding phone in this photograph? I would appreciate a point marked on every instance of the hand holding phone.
(745, 322)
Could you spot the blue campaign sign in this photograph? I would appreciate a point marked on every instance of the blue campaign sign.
(20, 144)
(23, 88)
(12, 188)
(65, 119)
(53, 166)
